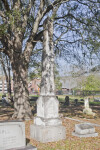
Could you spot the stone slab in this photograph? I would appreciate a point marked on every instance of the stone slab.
(46, 134)
(25, 148)
(84, 128)
(85, 135)
(12, 135)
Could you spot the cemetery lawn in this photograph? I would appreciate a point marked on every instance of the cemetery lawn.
(70, 115)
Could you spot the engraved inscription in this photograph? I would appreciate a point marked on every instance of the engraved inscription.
(11, 136)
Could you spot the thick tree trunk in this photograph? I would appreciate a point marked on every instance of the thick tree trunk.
(21, 95)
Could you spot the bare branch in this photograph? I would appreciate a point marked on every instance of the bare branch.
(30, 44)
(59, 38)
(6, 5)
(3, 50)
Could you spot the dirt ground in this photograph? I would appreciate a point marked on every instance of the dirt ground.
(70, 115)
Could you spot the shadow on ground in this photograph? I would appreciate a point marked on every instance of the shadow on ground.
(72, 110)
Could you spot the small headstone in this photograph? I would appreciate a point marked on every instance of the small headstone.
(5, 102)
(86, 104)
(87, 110)
(76, 102)
(12, 136)
(84, 130)
(82, 100)
(67, 100)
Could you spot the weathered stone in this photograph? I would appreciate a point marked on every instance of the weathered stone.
(76, 102)
(47, 124)
(87, 110)
(86, 103)
(67, 100)
(47, 111)
(47, 133)
(84, 130)
(12, 135)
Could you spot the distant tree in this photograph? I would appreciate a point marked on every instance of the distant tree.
(36, 72)
(89, 85)
(92, 83)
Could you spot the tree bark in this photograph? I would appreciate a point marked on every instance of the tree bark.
(9, 79)
(21, 94)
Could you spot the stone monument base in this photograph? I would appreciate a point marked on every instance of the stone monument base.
(84, 130)
(46, 134)
(88, 111)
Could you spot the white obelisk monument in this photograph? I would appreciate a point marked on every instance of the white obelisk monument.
(47, 124)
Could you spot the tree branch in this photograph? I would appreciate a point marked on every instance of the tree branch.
(30, 43)
(6, 5)
(38, 37)
(2, 50)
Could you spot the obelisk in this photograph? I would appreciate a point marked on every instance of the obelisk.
(47, 124)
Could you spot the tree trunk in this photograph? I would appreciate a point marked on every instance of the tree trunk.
(9, 79)
(8, 89)
(21, 95)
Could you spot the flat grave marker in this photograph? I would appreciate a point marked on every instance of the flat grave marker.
(84, 130)
(12, 135)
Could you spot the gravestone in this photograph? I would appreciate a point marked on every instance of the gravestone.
(76, 102)
(87, 110)
(12, 136)
(84, 130)
(5, 101)
(47, 124)
(82, 100)
(67, 100)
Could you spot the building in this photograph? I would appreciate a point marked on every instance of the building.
(33, 86)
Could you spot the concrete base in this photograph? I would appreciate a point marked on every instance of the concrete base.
(46, 134)
(47, 121)
(84, 130)
(25, 148)
(85, 135)
(88, 111)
